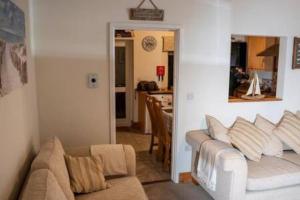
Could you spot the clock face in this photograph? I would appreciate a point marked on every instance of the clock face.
(149, 43)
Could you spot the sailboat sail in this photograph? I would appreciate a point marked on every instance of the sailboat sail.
(250, 90)
(257, 88)
(254, 89)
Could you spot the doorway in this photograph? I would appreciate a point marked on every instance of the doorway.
(166, 82)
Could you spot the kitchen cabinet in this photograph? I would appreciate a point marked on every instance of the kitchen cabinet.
(257, 45)
(142, 109)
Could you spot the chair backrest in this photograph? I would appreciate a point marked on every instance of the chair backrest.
(150, 106)
(162, 129)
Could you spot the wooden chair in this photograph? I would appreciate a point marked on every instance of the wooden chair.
(165, 136)
(154, 125)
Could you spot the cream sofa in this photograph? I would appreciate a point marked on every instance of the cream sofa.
(239, 179)
(49, 179)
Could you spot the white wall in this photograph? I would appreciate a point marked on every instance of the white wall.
(19, 127)
(145, 62)
(71, 40)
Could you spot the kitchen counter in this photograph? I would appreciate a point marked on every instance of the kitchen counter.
(160, 92)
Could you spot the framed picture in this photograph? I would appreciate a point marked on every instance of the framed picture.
(168, 43)
(296, 54)
(13, 59)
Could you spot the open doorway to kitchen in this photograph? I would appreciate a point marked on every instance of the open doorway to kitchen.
(144, 95)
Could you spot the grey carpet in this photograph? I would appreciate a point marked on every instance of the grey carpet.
(172, 191)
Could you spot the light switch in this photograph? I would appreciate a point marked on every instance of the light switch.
(92, 80)
(190, 96)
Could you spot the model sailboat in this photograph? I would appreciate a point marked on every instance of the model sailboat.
(254, 89)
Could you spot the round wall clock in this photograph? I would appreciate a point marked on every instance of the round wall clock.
(149, 43)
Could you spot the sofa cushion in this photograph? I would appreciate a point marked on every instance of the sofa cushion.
(127, 188)
(42, 185)
(288, 131)
(268, 127)
(51, 157)
(274, 146)
(86, 173)
(271, 173)
(217, 130)
(249, 139)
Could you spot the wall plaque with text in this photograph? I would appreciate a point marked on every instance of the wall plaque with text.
(296, 54)
(146, 14)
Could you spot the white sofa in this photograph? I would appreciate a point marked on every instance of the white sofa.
(271, 178)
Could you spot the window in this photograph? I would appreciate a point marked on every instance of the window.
(253, 68)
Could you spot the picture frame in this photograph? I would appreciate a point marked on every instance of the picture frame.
(13, 57)
(168, 44)
(296, 53)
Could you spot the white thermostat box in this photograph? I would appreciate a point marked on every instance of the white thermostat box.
(93, 80)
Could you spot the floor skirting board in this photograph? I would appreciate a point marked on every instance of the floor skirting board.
(186, 177)
(154, 182)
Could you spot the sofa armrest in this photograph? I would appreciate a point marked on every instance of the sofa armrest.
(196, 137)
(232, 172)
(130, 157)
(231, 169)
(78, 151)
(130, 160)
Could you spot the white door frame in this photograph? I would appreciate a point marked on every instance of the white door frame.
(177, 62)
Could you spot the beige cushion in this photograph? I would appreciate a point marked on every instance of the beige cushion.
(271, 173)
(285, 146)
(298, 114)
(288, 131)
(274, 146)
(42, 185)
(114, 158)
(128, 188)
(249, 139)
(268, 127)
(86, 173)
(216, 129)
(264, 124)
(51, 156)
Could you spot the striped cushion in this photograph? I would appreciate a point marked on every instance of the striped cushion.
(288, 131)
(249, 139)
(86, 174)
(274, 146)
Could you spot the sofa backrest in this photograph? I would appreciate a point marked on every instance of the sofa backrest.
(51, 157)
(43, 185)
